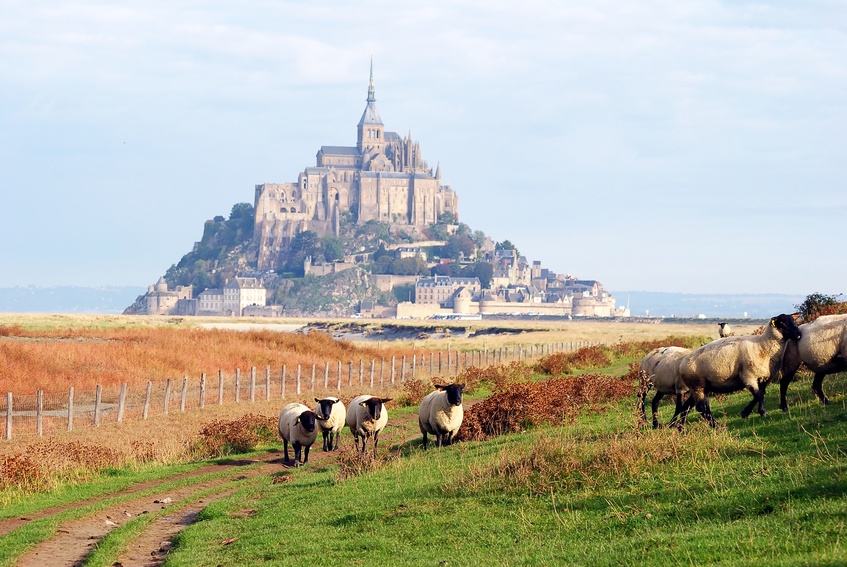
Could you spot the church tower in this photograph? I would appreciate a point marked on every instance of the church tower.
(371, 129)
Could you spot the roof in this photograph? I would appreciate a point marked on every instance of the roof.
(340, 151)
(211, 291)
(370, 116)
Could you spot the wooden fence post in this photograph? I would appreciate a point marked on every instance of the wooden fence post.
(430, 363)
(414, 364)
(167, 395)
(8, 415)
(121, 403)
(220, 387)
(147, 399)
(381, 371)
(98, 392)
(403, 370)
(372, 372)
(252, 384)
(268, 383)
(349, 373)
(202, 390)
(339, 375)
(298, 379)
(183, 393)
(326, 375)
(71, 408)
(313, 376)
(237, 385)
(361, 371)
(283, 380)
(392, 369)
(39, 409)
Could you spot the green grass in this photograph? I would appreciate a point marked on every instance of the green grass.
(766, 490)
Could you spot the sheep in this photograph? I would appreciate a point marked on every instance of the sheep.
(331, 415)
(441, 414)
(822, 348)
(297, 426)
(734, 363)
(662, 368)
(724, 330)
(366, 418)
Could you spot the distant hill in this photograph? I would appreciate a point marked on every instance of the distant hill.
(728, 306)
(67, 299)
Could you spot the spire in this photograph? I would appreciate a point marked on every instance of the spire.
(371, 93)
(438, 172)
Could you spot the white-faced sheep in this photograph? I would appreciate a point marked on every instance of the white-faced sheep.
(366, 417)
(822, 348)
(724, 330)
(297, 426)
(661, 366)
(331, 414)
(441, 414)
(734, 363)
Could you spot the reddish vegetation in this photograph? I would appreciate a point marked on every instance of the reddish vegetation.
(553, 401)
(56, 359)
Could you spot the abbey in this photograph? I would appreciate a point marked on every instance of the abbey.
(382, 178)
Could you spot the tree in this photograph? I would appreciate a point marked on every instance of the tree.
(333, 248)
(484, 271)
(447, 218)
(817, 304)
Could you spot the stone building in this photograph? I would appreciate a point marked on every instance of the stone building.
(159, 300)
(383, 177)
(243, 292)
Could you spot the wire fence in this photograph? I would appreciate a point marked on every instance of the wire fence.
(44, 413)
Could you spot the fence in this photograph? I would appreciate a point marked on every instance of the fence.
(46, 412)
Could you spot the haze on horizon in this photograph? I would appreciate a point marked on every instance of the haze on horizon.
(691, 147)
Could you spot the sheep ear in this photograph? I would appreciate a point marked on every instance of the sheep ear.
(773, 321)
(363, 404)
(298, 420)
(317, 400)
(336, 401)
(386, 400)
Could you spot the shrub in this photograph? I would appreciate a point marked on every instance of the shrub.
(225, 437)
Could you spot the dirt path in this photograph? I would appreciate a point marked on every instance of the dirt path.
(176, 508)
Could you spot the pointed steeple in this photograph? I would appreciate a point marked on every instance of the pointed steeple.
(438, 172)
(371, 90)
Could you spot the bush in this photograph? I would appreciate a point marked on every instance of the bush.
(225, 437)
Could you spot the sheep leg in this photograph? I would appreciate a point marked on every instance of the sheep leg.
(705, 410)
(285, 446)
(326, 436)
(758, 399)
(817, 388)
(376, 440)
(787, 378)
(683, 414)
(677, 410)
(297, 447)
(655, 406)
(306, 454)
(424, 439)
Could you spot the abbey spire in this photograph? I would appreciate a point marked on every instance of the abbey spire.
(371, 131)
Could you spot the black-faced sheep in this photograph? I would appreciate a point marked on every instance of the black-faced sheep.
(297, 426)
(366, 417)
(662, 368)
(724, 330)
(734, 363)
(822, 348)
(331, 414)
(441, 414)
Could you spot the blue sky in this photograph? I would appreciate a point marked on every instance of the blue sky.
(659, 145)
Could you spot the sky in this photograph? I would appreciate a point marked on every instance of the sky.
(660, 145)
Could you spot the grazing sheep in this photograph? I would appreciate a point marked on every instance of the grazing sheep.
(662, 368)
(733, 363)
(297, 426)
(366, 417)
(441, 414)
(331, 414)
(724, 330)
(822, 348)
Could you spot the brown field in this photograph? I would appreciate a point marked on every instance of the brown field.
(53, 352)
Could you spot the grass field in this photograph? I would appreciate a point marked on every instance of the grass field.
(598, 491)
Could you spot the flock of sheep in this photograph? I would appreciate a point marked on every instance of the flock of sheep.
(440, 415)
(730, 364)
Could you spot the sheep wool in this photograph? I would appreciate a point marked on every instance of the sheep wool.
(331, 415)
(366, 417)
(441, 414)
(662, 368)
(822, 347)
(297, 426)
(734, 363)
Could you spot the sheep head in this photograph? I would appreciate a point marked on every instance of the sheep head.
(786, 326)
